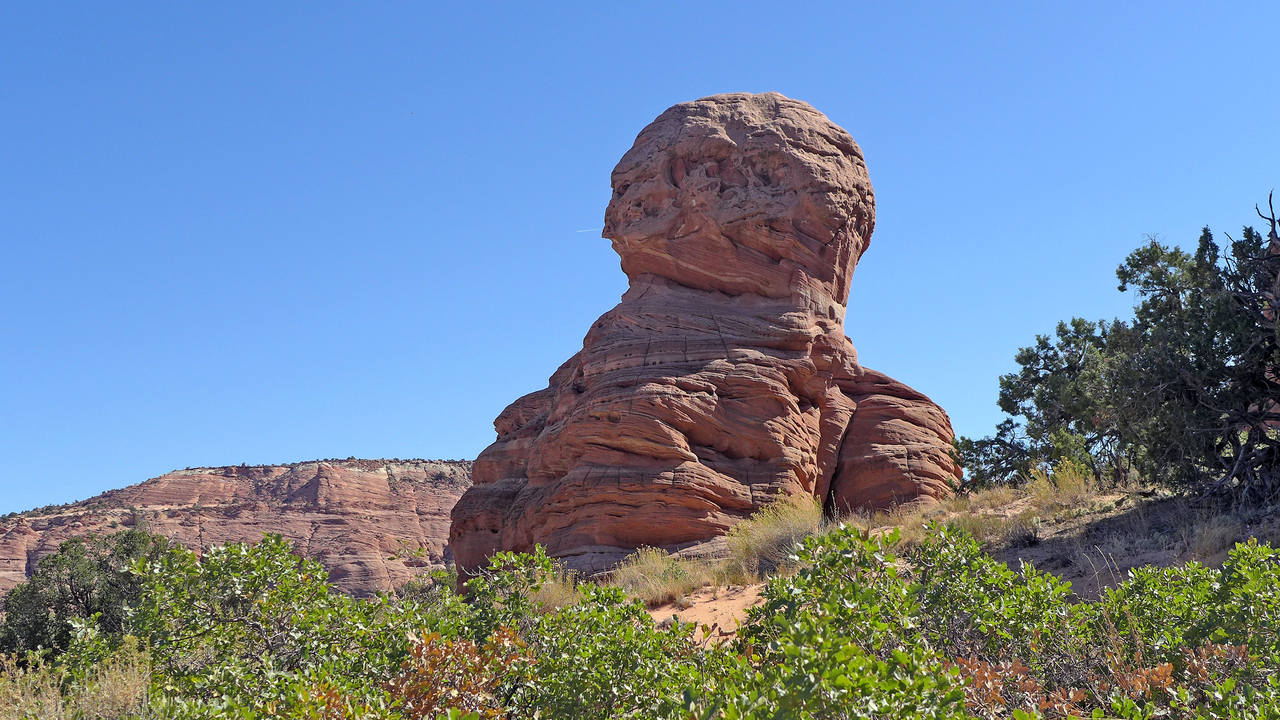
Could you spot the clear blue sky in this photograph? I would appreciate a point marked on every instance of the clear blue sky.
(269, 232)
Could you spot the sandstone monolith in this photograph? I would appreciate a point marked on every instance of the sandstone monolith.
(723, 380)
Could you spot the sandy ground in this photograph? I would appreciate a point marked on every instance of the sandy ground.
(716, 611)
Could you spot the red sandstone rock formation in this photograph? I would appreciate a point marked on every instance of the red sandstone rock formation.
(362, 519)
(723, 379)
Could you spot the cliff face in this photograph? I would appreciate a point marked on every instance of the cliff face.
(374, 524)
(723, 379)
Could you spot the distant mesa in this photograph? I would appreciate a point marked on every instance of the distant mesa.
(723, 380)
(373, 524)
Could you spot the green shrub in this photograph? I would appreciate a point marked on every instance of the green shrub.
(250, 632)
(1176, 642)
(838, 639)
(260, 628)
(505, 592)
(847, 578)
(974, 606)
(87, 577)
(605, 658)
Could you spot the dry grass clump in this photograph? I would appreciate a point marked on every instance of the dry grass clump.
(116, 688)
(759, 546)
(764, 544)
(1010, 516)
(989, 528)
(989, 498)
(1214, 535)
(28, 692)
(909, 519)
(558, 591)
(978, 512)
(656, 577)
(1067, 485)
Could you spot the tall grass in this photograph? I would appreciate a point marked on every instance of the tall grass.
(1067, 485)
(656, 577)
(117, 688)
(764, 544)
(558, 591)
(759, 546)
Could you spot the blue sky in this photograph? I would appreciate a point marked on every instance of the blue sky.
(269, 232)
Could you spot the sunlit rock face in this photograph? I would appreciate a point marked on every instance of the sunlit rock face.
(723, 380)
(373, 524)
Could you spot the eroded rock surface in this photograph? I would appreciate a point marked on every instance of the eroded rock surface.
(373, 524)
(723, 379)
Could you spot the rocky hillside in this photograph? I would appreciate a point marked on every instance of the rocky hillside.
(373, 523)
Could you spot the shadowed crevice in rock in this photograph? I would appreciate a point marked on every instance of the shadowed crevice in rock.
(723, 379)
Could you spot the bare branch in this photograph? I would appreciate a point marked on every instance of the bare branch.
(1272, 236)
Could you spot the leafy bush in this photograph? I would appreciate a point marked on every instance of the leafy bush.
(837, 640)
(255, 632)
(457, 674)
(86, 578)
(261, 628)
(1160, 612)
(974, 606)
(505, 593)
(950, 632)
(1179, 642)
(605, 658)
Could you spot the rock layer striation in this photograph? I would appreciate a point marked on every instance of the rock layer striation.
(723, 380)
(373, 524)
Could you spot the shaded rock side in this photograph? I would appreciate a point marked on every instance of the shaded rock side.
(723, 379)
(373, 524)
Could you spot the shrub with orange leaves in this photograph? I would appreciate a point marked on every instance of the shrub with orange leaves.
(442, 674)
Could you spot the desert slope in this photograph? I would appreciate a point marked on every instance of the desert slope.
(360, 518)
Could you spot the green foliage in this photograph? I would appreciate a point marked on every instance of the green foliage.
(260, 629)
(605, 658)
(431, 588)
(601, 657)
(828, 675)
(1183, 393)
(1060, 399)
(974, 606)
(504, 594)
(838, 639)
(846, 578)
(1196, 365)
(951, 632)
(1160, 611)
(253, 632)
(86, 578)
(1175, 642)
(1151, 614)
